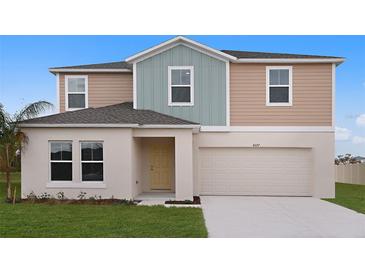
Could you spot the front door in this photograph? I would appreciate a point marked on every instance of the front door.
(160, 166)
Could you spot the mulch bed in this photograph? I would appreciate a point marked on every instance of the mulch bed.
(79, 202)
(195, 201)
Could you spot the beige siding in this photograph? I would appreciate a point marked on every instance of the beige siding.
(104, 88)
(312, 97)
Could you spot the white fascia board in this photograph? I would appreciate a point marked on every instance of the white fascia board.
(174, 42)
(266, 129)
(290, 60)
(78, 125)
(89, 70)
(104, 126)
(169, 126)
(202, 128)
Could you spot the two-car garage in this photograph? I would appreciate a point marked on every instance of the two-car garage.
(255, 171)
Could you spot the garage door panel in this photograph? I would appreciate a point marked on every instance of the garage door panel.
(248, 171)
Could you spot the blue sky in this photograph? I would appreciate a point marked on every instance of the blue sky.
(24, 63)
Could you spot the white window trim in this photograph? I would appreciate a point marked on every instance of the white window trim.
(268, 103)
(191, 103)
(86, 91)
(81, 162)
(59, 161)
(75, 185)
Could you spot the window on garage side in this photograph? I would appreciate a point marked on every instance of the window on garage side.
(181, 86)
(92, 162)
(61, 161)
(76, 91)
(279, 86)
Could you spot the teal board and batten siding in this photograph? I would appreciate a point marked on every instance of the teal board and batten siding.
(209, 85)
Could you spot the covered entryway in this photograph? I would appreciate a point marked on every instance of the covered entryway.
(162, 161)
(255, 171)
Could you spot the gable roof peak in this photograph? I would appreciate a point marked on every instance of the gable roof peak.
(178, 40)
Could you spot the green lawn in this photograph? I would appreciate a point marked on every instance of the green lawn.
(350, 196)
(41, 220)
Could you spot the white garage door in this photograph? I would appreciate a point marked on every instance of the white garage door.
(255, 171)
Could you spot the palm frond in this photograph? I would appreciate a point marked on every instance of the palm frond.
(3, 116)
(32, 110)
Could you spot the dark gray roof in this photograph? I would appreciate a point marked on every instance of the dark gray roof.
(115, 114)
(112, 65)
(264, 55)
(235, 53)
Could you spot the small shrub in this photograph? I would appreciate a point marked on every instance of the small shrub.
(61, 195)
(31, 196)
(44, 196)
(82, 195)
(127, 202)
(93, 198)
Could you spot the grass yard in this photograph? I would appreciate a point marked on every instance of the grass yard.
(350, 196)
(40, 220)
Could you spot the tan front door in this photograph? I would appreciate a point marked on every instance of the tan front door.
(160, 166)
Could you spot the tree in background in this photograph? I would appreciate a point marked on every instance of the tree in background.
(12, 139)
(346, 159)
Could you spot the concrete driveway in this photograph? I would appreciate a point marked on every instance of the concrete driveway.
(239, 216)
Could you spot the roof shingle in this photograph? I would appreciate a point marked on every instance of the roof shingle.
(270, 55)
(111, 65)
(236, 53)
(115, 114)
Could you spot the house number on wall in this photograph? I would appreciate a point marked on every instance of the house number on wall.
(256, 145)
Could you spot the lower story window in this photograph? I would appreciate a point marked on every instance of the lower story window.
(92, 163)
(61, 161)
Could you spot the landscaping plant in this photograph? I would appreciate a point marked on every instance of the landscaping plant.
(12, 139)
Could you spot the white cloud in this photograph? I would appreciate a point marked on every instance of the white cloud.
(360, 120)
(357, 140)
(342, 134)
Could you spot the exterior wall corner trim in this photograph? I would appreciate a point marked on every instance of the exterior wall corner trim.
(228, 97)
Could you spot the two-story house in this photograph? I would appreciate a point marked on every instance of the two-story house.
(186, 119)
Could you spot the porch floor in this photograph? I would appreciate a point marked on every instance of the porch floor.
(157, 198)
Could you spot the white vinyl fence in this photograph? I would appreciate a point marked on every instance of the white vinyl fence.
(350, 174)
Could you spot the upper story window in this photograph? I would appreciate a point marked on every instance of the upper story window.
(76, 87)
(279, 91)
(181, 86)
(61, 161)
